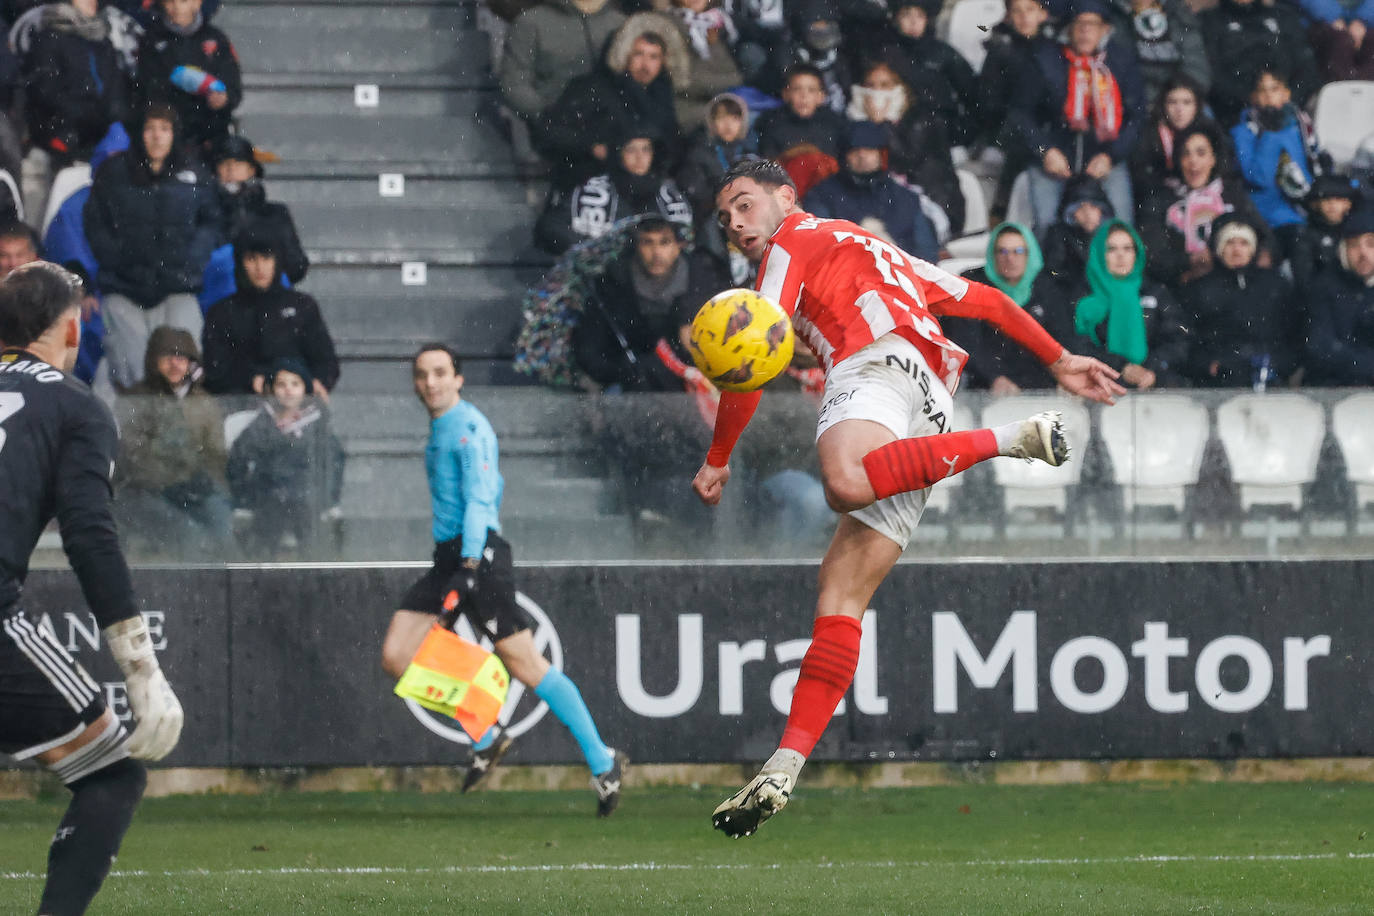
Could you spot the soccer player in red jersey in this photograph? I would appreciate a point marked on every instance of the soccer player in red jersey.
(867, 310)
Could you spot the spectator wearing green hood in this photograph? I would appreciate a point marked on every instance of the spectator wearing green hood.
(1132, 324)
(1014, 265)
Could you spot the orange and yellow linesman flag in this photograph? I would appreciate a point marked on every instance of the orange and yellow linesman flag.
(457, 678)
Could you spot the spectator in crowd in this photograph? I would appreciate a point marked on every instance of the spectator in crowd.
(19, 245)
(940, 79)
(918, 137)
(1078, 111)
(1245, 327)
(762, 26)
(816, 43)
(152, 220)
(550, 44)
(244, 205)
(1341, 50)
(710, 34)
(75, 89)
(1318, 246)
(1167, 40)
(286, 467)
(633, 87)
(803, 135)
(1176, 221)
(1340, 336)
(712, 148)
(1015, 266)
(634, 185)
(864, 192)
(1082, 210)
(1180, 105)
(1010, 51)
(1278, 156)
(1244, 36)
(169, 478)
(186, 63)
(1129, 322)
(264, 322)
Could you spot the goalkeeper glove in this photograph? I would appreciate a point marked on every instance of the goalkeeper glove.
(150, 696)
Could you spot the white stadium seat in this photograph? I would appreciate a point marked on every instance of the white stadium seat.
(975, 204)
(1034, 484)
(1156, 443)
(1272, 442)
(1019, 202)
(1352, 423)
(235, 424)
(967, 25)
(1344, 116)
(957, 266)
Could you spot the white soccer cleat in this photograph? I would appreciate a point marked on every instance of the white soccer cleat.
(1041, 437)
(742, 813)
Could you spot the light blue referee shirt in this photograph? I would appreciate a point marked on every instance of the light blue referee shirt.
(465, 482)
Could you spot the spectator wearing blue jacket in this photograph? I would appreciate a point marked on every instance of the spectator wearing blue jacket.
(1278, 155)
(866, 193)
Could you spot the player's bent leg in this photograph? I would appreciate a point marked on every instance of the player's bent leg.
(841, 450)
(403, 637)
(106, 786)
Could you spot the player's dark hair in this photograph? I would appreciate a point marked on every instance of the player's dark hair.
(32, 299)
(764, 171)
(435, 346)
(17, 229)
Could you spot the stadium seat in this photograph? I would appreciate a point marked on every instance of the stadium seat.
(1019, 202)
(1350, 423)
(1034, 484)
(68, 181)
(1344, 116)
(1272, 442)
(975, 203)
(966, 28)
(234, 425)
(1156, 443)
(957, 266)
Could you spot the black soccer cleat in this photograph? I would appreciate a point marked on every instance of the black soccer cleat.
(742, 813)
(607, 785)
(484, 761)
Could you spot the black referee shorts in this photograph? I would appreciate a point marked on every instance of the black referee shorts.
(46, 697)
(493, 611)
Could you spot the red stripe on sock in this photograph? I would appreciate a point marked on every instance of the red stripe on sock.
(914, 464)
(827, 670)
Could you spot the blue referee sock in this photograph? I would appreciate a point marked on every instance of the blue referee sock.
(487, 739)
(566, 702)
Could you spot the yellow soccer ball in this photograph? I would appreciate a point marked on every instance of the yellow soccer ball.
(741, 340)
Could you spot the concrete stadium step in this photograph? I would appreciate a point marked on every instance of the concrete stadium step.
(418, 193)
(474, 233)
(336, 93)
(476, 328)
(457, 283)
(361, 144)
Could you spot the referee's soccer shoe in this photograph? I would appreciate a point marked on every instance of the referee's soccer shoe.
(607, 785)
(485, 760)
(742, 813)
(1042, 437)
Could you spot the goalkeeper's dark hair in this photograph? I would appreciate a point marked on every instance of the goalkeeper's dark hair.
(435, 346)
(766, 172)
(33, 298)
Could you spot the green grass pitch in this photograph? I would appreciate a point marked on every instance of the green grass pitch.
(1121, 848)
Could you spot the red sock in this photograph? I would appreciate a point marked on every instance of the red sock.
(826, 673)
(914, 464)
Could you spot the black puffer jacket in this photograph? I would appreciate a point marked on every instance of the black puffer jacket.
(1239, 317)
(76, 90)
(249, 210)
(151, 234)
(1340, 340)
(247, 332)
(161, 51)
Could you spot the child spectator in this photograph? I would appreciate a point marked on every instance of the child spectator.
(1278, 155)
(938, 75)
(1318, 247)
(264, 322)
(816, 43)
(710, 35)
(920, 147)
(1244, 36)
(244, 206)
(632, 186)
(711, 149)
(1082, 210)
(169, 479)
(1167, 41)
(152, 220)
(1176, 221)
(286, 467)
(803, 135)
(1246, 328)
(190, 65)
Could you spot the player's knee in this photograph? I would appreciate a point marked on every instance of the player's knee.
(847, 491)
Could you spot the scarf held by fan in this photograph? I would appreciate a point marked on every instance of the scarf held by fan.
(1094, 98)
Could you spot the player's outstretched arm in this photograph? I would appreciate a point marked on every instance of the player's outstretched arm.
(1087, 377)
(150, 696)
(710, 483)
(735, 411)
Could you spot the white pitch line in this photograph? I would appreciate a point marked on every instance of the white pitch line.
(668, 866)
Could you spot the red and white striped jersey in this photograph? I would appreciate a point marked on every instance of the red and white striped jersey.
(845, 287)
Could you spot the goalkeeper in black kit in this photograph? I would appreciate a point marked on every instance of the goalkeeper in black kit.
(57, 447)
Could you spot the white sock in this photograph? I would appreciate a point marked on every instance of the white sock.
(787, 761)
(1006, 435)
